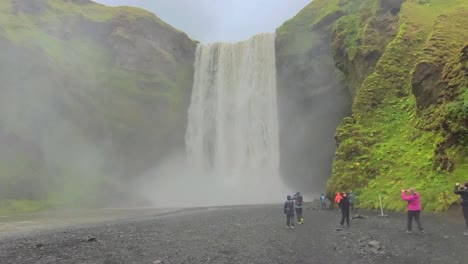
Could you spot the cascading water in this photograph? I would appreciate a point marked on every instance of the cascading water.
(232, 138)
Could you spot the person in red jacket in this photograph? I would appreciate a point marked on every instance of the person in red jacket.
(338, 199)
(414, 208)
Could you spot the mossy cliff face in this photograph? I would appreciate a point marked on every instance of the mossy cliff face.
(312, 98)
(406, 66)
(89, 94)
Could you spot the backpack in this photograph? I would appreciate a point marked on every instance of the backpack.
(289, 207)
(299, 200)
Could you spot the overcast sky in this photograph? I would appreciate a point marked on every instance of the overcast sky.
(220, 20)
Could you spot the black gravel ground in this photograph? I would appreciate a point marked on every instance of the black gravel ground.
(244, 234)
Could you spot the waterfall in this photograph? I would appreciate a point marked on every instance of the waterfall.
(232, 137)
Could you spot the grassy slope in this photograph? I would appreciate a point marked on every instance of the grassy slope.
(389, 144)
(104, 98)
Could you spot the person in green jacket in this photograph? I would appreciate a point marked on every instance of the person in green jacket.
(298, 202)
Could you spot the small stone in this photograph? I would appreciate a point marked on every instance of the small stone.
(39, 245)
(157, 262)
(91, 239)
(446, 237)
(358, 216)
(374, 243)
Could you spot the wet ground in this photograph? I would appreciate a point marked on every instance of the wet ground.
(27, 223)
(241, 234)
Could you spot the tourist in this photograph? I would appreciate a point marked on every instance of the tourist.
(289, 212)
(414, 209)
(344, 206)
(323, 201)
(463, 192)
(338, 199)
(351, 199)
(298, 201)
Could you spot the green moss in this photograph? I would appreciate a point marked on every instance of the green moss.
(406, 146)
(100, 13)
(98, 94)
(9, 207)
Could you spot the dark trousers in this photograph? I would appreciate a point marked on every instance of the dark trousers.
(415, 215)
(289, 220)
(465, 214)
(324, 205)
(299, 214)
(344, 215)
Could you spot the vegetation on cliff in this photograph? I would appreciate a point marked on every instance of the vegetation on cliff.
(312, 98)
(90, 97)
(406, 65)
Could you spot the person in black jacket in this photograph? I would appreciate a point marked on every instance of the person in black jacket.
(344, 205)
(289, 212)
(463, 192)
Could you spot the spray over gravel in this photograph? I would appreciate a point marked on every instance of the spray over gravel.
(232, 137)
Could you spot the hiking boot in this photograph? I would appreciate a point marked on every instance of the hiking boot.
(287, 227)
(292, 227)
(409, 232)
(422, 231)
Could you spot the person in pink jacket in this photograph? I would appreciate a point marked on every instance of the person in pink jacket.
(414, 208)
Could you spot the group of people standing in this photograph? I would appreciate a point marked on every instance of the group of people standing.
(293, 205)
(346, 201)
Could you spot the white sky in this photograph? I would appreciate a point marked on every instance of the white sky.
(219, 20)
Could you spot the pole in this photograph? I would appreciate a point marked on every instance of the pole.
(381, 207)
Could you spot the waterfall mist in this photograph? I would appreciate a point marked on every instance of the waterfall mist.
(232, 137)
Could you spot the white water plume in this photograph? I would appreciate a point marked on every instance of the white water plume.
(233, 136)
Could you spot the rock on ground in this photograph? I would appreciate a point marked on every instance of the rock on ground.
(242, 234)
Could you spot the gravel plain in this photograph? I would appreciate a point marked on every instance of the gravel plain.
(242, 234)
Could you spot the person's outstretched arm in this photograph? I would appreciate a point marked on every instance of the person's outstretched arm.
(405, 197)
(457, 189)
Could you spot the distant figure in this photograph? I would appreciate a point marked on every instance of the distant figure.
(463, 192)
(414, 209)
(351, 200)
(338, 199)
(323, 201)
(344, 206)
(289, 212)
(298, 200)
